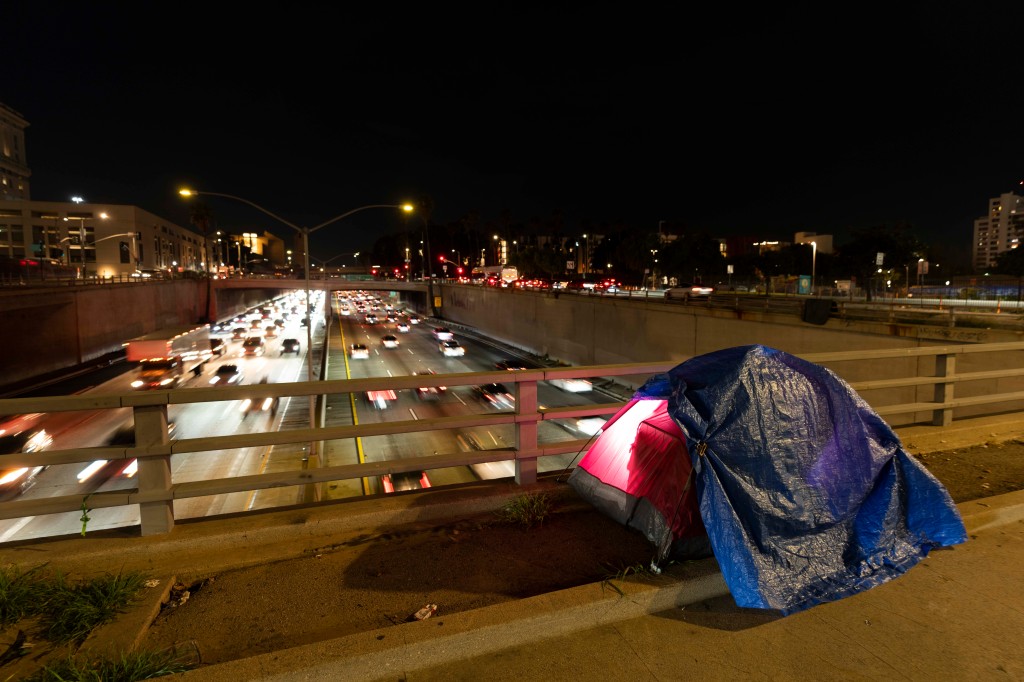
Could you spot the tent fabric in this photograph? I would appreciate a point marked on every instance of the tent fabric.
(639, 473)
(806, 494)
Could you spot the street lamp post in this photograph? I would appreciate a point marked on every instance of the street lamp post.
(305, 232)
(814, 263)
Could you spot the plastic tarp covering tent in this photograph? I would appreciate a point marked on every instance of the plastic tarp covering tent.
(806, 494)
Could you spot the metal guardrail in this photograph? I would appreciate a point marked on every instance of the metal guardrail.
(156, 490)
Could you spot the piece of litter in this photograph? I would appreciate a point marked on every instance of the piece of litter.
(152, 583)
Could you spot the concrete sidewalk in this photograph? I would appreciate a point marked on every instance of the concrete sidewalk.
(956, 615)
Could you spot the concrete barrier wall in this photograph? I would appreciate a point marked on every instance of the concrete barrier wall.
(585, 330)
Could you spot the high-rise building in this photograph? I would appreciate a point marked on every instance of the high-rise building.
(1000, 230)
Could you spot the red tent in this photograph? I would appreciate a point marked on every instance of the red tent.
(638, 472)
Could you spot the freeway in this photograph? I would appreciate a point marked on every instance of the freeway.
(89, 429)
(416, 351)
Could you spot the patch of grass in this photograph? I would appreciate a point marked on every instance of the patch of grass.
(526, 510)
(22, 593)
(129, 667)
(73, 610)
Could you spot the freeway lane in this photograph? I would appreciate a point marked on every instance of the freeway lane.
(190, 421)
(418, 352)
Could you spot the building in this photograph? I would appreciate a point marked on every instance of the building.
(14, 171)
(101, 240)
(1000, 230)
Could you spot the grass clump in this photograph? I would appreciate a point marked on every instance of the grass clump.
(526, 510)
(21, 593)
(73, 610)
(129, 667)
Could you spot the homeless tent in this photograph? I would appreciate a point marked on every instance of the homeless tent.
(805, 493)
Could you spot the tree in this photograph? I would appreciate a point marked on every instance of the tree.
(1012, 263)
(897, 244)
(200, 217)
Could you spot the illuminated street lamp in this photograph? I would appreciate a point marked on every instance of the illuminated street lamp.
(81, 234)
(814, 262)
(305, 232)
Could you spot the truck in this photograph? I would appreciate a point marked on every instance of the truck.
(494, 275)
(165, 356)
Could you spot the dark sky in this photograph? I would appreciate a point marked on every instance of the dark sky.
(764, 122)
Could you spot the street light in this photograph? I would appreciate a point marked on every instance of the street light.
(305, 232)
(814, 262)
(81, 234)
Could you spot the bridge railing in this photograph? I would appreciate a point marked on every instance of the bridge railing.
(915, 384)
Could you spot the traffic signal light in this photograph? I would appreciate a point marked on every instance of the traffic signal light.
(440, 259)
(458, 271)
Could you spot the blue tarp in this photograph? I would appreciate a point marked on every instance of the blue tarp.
(806, 493)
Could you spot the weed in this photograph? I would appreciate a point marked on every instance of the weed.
(128, 667)
(526, 510)
(85, 513)
(21, 593)
(72, 610)
(623, 573)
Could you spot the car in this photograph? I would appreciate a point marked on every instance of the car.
(381, 399)
(227, 375)
(239, 333)
(429, 392)
(407, 480)
(17, 479)
(258, 406)
(451, 348)
(512, 364)
(217, 346)
(688, 292)
(443, 334)
(358, 351)
(573, 385)
(271, 331)
(290, 346)
(370, 318)
(495, 395)
(403, 327)
(253, 346)
(124, 436)
(413, 319)
(389, 341)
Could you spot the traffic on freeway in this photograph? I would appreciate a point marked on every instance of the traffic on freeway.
(262, 346)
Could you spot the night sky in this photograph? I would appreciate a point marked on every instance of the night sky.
(764, 122)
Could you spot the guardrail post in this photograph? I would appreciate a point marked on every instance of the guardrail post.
(945, 365)
(526, 432)
(154, 472)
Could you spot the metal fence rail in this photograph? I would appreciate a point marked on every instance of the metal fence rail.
(933, 369)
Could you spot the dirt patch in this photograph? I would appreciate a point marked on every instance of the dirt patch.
(381, 580)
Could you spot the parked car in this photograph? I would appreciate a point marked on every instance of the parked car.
(290, 346)
(688, 292)
(451, 348)
(359, 351)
